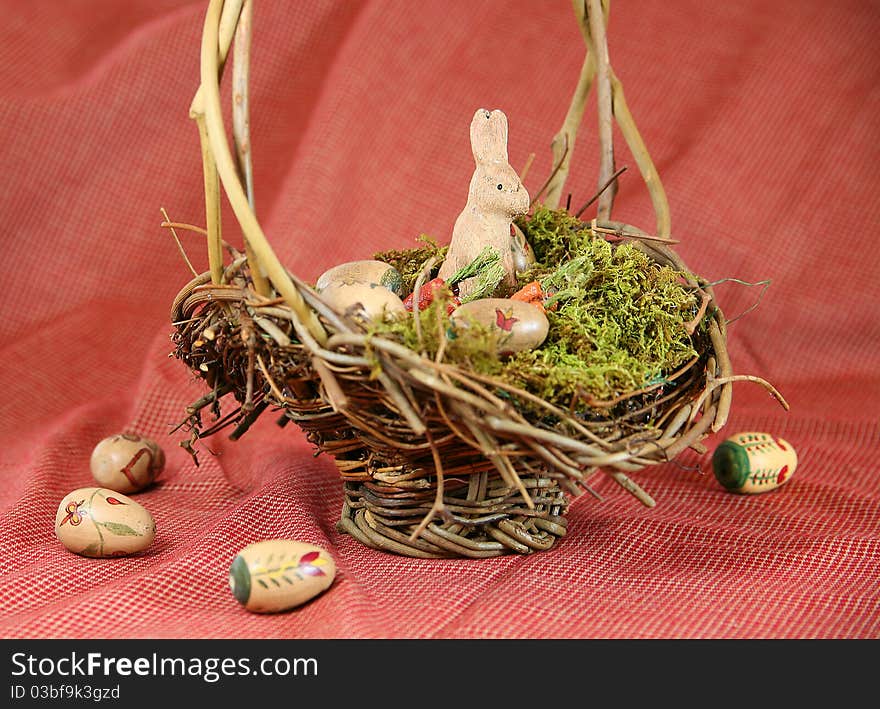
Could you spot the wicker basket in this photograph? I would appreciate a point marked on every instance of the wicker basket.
(435, 460)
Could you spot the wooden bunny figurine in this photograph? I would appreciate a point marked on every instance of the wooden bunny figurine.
(496, 196)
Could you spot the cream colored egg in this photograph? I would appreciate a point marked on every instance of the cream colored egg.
(514, 324)
(99, 522)
(373, 301)
(279, 574)
(751, 462)
(126, 462)
(364, 272)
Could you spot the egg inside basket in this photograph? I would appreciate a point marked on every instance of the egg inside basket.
(467, 391)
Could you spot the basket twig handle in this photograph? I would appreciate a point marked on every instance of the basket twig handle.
(563, 142)
(643, 159)
(226, 31)
(212, 118)
(241, 128)
(598, 42)
(592, 17)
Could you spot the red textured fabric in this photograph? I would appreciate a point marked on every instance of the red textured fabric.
(762, 120)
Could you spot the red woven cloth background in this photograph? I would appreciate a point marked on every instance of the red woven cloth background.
(762, 119)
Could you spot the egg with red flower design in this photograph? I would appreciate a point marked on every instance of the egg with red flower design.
(514, 325)
(99, 522)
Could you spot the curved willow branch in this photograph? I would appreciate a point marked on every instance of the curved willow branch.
(241, 127)
(563, 141)
(229, 177)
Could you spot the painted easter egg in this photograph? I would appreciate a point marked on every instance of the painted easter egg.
(752, 462)
(515, 325)
(126, 462)
(373, 301)
(99, 522)
(279, 574)
(364, 272)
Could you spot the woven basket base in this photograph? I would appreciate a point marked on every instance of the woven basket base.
(480, 518)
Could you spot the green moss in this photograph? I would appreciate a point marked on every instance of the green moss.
(409, 262)
(616, 319)
(474, 352)
(555, 235)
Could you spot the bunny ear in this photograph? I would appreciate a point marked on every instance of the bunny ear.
(489, 136)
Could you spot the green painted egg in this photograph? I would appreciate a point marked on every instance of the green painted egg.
(753, 462)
